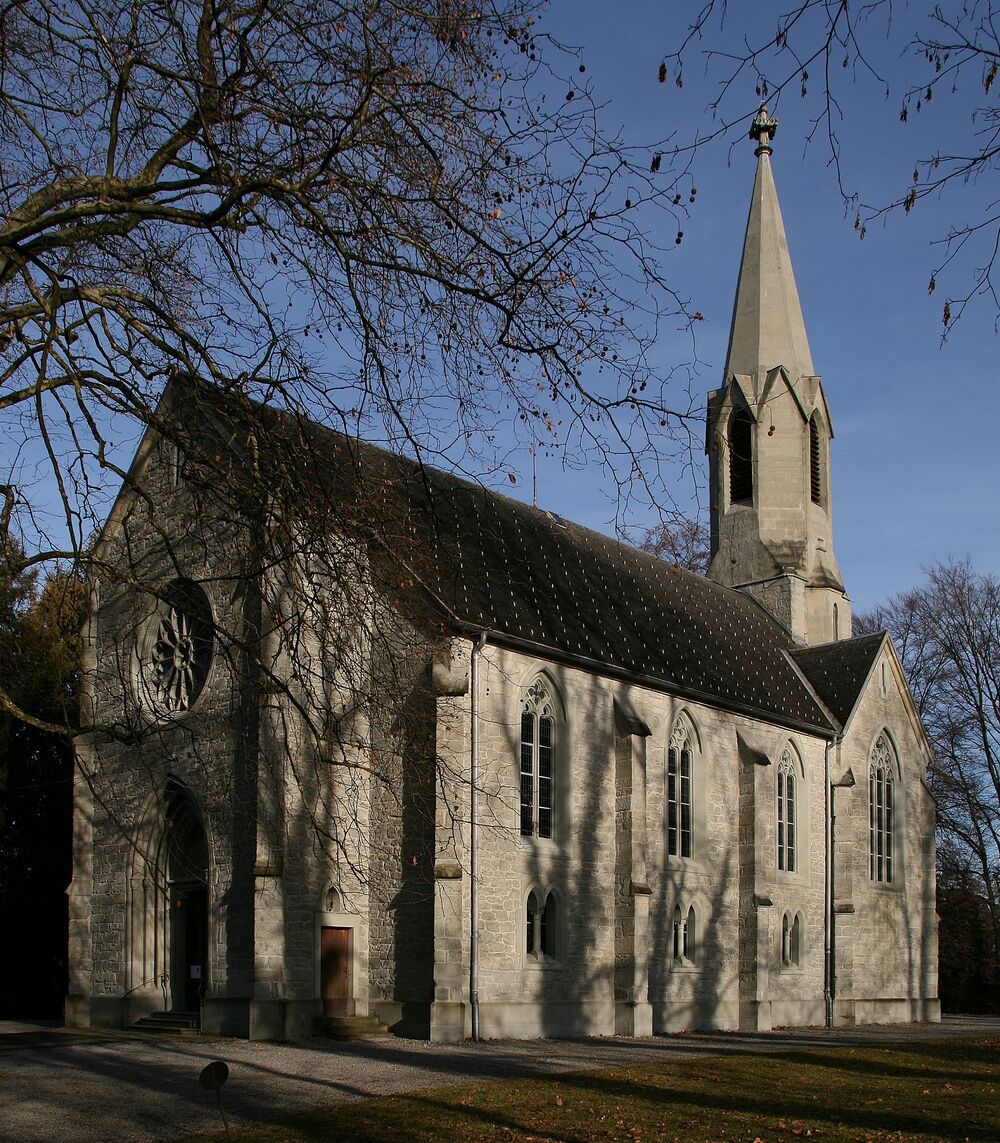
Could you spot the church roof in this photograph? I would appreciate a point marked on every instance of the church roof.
(838, 671)
(767, 328)
(458, 557)
(548, 586)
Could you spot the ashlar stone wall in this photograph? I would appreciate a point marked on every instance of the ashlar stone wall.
(615, 884)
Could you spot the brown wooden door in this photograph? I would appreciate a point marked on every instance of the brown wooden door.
(335, 970)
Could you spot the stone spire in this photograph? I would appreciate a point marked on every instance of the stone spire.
(768, 438)
(768, 328)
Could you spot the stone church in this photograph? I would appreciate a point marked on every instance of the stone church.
(458, 766)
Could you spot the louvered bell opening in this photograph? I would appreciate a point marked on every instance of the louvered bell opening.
(741, 457)
(815, 469)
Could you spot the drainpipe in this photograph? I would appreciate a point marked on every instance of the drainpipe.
(828, 915)
(477, 650)
(828, 889)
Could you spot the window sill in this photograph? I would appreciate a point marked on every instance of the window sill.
(792, 876)
(542, 844)
(685, 966)
(542, 963)
(886, 886)
(791, 969)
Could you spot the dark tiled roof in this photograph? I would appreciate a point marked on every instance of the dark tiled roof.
(536, 581)
(532, 578)
(838, 671)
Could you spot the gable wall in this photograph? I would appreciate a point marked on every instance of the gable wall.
(205, 749)
(886, 948)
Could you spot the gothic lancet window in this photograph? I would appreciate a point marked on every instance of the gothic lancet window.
(537, 761)
(881, 810)
(741, 457)
(815, 463)
(787, 794)
(680, 793)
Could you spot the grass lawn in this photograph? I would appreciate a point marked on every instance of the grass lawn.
(942, 1090)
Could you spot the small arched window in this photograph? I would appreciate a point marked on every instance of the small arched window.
(741, 457)
(791, 940)
(549, 926)
(680, 793)
(531, 927)
(881, 810)
(787, 810)
(538, 744)
(815, 462)
(684, 932)
(542, 922)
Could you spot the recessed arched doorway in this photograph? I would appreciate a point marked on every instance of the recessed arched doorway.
(169, 909)
(187, 891)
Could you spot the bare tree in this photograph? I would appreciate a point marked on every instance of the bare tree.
(683, 540)
(907, 56)
(396, 218)
(948, 636)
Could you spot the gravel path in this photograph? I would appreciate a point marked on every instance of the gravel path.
(89, 1087)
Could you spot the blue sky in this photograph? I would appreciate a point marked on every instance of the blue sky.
(913, 470)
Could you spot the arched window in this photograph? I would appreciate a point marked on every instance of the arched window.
(881, 810)
(791, 940)
(684, 935)
(787, 809)
(680, 793)
(542, 925)
(538, 744)
(174, 649)
(815, 463)
(549, 926)
(741, 457)
(531, 928)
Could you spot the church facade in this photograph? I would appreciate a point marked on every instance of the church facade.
(599, 795)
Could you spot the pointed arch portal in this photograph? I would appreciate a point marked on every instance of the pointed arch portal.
(169, 908)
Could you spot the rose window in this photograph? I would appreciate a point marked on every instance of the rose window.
(177, 650)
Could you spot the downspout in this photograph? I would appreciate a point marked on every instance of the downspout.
(477, 650)
(828, 982)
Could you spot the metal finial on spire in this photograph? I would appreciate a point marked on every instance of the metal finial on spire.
(763, 129)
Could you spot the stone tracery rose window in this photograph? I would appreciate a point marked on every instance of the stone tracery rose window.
(175, 651)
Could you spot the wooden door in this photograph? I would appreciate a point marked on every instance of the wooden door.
(335, 970)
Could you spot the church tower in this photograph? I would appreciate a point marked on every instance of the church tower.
(768, 438)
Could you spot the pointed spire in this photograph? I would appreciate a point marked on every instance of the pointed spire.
(768, 328)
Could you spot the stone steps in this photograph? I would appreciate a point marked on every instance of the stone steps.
(350, 1027)
(169, 1023)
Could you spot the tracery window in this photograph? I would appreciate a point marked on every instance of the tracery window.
(881, 810)
(538, 734)
(174, 651)
(680, 793)
(787, 810)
